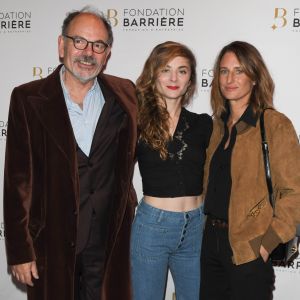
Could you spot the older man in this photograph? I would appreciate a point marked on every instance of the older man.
(68, 196)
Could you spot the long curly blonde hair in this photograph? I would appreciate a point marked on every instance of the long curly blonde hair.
(152, 109)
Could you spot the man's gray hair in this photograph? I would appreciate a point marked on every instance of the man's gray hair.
(91, 10)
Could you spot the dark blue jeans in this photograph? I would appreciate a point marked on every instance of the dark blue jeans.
(163, 240)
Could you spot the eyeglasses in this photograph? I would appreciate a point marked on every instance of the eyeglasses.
(81, 43)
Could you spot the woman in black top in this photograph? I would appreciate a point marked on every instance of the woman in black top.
(241, 229)
(167, 229)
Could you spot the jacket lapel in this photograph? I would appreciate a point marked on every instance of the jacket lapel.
(49, 106)
(125, 99)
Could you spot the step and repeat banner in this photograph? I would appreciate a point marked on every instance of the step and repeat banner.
(29, 31)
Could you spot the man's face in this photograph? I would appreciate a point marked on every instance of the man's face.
(83, 65)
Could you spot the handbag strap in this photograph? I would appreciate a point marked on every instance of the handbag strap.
(265, 150)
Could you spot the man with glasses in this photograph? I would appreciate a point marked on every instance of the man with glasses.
(68, 195)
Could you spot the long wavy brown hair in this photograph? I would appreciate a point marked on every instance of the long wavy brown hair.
(255, 68)
(152, 108)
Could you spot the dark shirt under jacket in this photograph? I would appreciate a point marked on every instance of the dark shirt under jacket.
(97, 171)
(219, 183)
(181, 174)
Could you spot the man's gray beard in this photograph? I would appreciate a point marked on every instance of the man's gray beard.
(88, 59)
(83, 79)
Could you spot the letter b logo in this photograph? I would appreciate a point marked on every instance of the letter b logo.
(279, 17)
(112, 17)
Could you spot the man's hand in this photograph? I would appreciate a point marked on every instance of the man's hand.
(25, 272)
(263, 253)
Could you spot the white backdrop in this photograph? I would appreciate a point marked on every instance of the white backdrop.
(29, 31)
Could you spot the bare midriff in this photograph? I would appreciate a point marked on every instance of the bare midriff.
(175, 204)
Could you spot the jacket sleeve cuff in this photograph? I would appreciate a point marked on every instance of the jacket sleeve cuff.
(19, 253)
(270, 240)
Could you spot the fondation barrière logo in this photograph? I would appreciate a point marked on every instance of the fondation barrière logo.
(147, 19)
(286, 18)
(15, 21)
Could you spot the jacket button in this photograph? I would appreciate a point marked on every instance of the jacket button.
(72, 244)
(75, 212)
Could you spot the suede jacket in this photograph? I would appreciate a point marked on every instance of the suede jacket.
(250, 215)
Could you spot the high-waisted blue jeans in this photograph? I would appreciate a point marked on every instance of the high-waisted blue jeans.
(163, 240)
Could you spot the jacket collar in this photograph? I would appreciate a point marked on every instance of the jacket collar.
(49, 104)
(246, 121)
(50, 107)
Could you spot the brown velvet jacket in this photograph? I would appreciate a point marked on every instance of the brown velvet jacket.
(41, 189)
(251, 221)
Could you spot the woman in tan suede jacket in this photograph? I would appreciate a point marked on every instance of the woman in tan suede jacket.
(241, 231)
